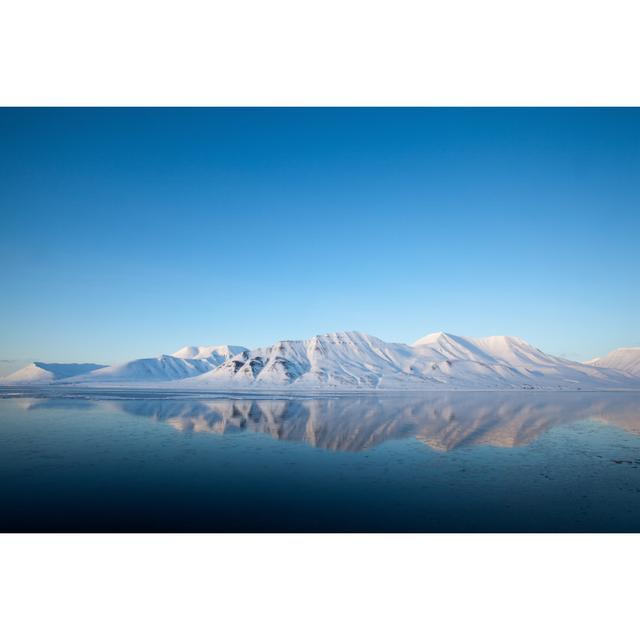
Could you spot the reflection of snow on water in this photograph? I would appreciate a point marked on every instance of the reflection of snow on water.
(444, 421)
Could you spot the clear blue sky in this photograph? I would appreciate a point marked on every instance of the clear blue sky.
(132, 232)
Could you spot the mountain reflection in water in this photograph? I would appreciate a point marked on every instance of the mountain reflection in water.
(443, 421)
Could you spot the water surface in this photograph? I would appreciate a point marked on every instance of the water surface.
(428, 462)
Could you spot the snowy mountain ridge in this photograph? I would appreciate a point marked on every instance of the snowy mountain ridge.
(352, 360)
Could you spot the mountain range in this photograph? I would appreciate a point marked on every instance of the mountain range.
(353, 360)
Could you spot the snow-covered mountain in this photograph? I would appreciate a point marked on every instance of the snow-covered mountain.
(624, 359)
(344, 359)
(185, 363)
(505, 350)
(145, 370)
(437, 361)
(352, 360)
(44, 373)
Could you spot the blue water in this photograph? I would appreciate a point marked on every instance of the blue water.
(465, 462)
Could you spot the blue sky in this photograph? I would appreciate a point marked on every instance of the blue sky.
(131, 232)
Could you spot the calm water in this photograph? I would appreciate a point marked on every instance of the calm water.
(473, 462)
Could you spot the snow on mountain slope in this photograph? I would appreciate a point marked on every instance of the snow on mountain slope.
(145, 370)
(217, 354)
(357, 360)
(624, 359)
(506, 350)
(351, 360)
(44, 373)
(513, 361)
(161, 369)
(342, 359)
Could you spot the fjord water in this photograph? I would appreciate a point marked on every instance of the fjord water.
(429, 462)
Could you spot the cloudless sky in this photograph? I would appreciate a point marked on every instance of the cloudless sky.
(131, 232)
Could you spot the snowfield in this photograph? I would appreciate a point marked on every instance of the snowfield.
(353, 360)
